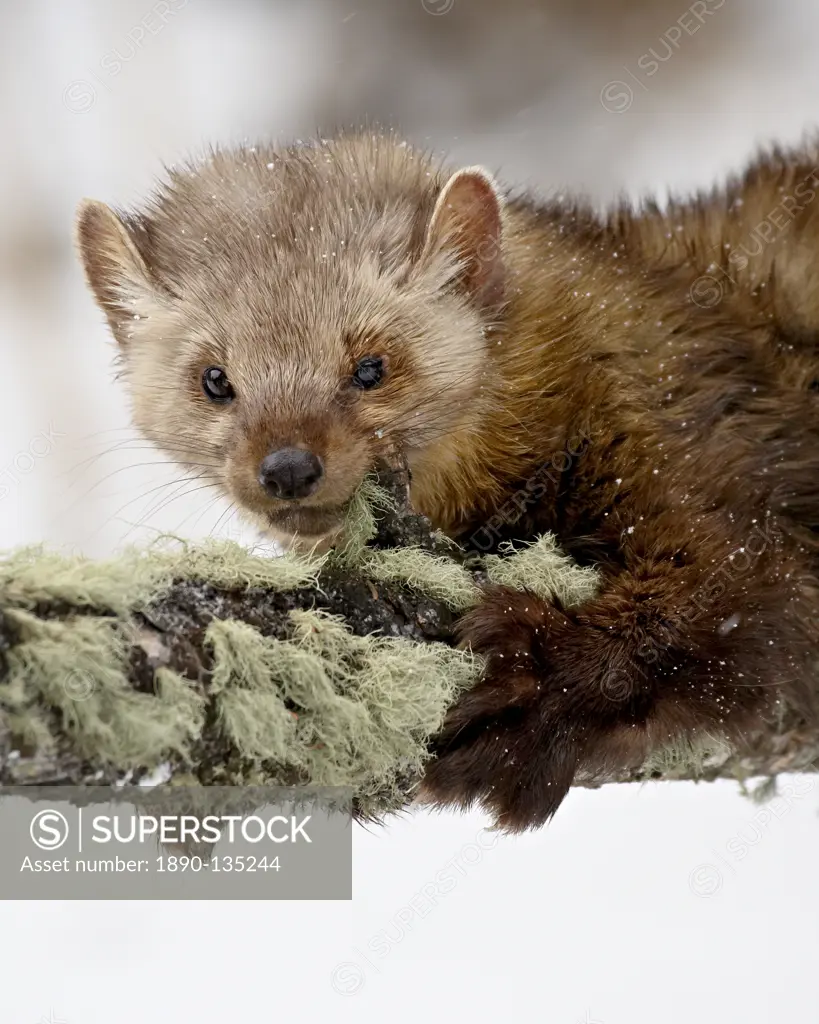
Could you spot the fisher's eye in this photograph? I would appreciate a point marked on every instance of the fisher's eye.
(369, 373)
(216, 385)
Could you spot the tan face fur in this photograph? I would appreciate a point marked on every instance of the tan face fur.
(285, 268)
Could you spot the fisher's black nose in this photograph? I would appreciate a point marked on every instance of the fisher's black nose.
(290, 473)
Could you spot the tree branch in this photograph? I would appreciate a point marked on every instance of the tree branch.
(46, 740)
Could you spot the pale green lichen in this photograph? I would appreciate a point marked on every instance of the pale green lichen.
(360, 520)
(686, 756)
(344, 709)
(77, 668)
(340, 709)
(432, 575)
(543, 569)
(34, 575)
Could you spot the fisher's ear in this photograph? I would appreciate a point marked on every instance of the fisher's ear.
(115, 270)
(468, 219)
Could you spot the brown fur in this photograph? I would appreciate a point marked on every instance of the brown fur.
(510, 329)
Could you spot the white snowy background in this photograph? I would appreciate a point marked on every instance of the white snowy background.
(666, 903)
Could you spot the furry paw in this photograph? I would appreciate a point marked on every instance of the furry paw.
(511, 743)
